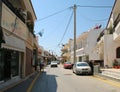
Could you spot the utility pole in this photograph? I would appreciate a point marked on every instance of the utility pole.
(74, 32)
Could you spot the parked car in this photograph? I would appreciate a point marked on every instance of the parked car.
(67, 65)
(54, 64)
(58, 62)
(81, 68)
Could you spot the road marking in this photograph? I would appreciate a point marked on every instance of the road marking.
(114, 83)
(32, 83)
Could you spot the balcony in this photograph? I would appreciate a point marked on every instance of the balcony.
(116, 35)
(65, 50)
(117, 20)
(101, 40)
(13, 9)
(100, 36)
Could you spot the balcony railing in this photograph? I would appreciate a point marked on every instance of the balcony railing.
(13, 9)
(101, 35)
(117, 20)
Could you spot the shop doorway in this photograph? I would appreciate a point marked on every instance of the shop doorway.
(7, 64)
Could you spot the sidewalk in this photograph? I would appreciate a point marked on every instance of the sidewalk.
(109, 74)
(20, 86)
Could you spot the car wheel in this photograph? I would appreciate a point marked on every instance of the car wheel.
(76, 72)
(73, 71)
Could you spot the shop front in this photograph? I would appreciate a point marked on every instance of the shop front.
(11, 57)
(9, 64)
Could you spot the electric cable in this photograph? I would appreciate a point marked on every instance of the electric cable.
(87, 18)
(71, 16)
(53, 14)
(57, 26)
(66, 27)
(94, 6)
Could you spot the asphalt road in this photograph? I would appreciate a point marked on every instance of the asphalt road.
(63, 80)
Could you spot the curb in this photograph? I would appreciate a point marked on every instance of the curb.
(11, 85)
(17, 83)
(32, 83)
(108, 80)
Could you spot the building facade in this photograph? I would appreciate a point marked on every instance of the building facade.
(18, 44)
(101, 45)
(66, 51)
(86, 42)
(109, 43)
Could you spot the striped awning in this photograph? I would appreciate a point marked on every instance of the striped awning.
(13, 42)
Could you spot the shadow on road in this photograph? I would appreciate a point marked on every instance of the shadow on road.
(21, 87)
(45, 83)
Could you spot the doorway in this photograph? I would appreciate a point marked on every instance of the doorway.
(7, 64)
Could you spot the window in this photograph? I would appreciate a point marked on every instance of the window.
(14, 63)
(1, 67)
(118, 52)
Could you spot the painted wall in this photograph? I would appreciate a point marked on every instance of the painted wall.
(91, 43)
(110, 50)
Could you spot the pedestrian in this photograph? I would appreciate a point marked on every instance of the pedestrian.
(92, 67)
(41, 66)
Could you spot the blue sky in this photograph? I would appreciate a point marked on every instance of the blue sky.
(55, 26)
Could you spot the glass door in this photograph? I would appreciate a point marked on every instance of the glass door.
(1, 66)
(14, 63)
(7, 64)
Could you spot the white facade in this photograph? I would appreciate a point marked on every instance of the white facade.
(91, 44)
(111, 41)
(81, 42)
(107, 47)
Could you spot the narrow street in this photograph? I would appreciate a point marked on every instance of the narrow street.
(63, 80)
(36, 33)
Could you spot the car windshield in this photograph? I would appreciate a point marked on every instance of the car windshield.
(67, 62)
(82, 64)
(54, 62)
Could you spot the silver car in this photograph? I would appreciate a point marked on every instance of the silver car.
(81, 68)
(54, 64)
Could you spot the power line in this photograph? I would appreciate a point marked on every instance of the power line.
(71, 16)
(71, 7)
(66, 27)
(90, 19)
(94, 6)
(56, 27)
(53, 14)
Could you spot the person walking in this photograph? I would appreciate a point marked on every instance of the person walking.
(92, 67)
(41, 66)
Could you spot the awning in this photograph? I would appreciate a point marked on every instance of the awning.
(13, 42)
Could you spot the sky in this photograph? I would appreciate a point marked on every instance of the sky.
(55, 18)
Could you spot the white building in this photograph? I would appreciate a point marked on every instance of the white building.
(86, 43)
(109, 43)
(91, 44)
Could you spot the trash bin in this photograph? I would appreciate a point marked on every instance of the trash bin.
(96, 69)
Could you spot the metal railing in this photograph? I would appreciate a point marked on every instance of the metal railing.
(13, 9)
(117, 20)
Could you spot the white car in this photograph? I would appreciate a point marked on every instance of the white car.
(54, 64)
(81, 68)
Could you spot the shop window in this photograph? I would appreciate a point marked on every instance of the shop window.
(118, 52)
(1, 67)
(14, 63)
